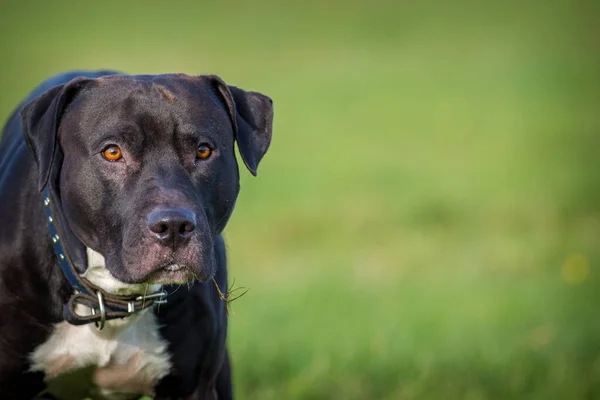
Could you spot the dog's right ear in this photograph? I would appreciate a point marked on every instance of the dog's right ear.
(41, 118)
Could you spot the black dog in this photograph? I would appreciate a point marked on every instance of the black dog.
(114, 191)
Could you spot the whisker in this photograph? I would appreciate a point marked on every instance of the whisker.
(144, 298)
(158, 306)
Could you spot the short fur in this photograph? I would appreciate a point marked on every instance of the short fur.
(177, 350)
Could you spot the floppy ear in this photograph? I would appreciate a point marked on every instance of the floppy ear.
(41, 118)
(252, 118)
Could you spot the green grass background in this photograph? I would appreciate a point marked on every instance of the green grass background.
(426, 223)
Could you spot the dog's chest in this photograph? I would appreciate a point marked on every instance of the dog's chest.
(124, 360)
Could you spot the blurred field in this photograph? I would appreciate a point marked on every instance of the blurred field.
(426, 223)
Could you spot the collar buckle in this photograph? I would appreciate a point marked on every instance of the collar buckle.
(102, 309)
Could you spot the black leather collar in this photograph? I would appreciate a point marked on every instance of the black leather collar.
(104, 306)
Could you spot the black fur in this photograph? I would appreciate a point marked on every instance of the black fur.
(158, 121)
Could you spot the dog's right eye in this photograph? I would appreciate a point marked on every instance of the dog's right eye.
(112, 153)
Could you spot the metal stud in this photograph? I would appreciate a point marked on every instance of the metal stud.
(160, 295)
(55, 238)
(50, 219)
(46, 201)
(62, 257)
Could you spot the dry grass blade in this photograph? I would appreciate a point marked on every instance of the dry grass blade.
(228, 297)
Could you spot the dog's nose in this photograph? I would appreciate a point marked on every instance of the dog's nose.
(173, 227)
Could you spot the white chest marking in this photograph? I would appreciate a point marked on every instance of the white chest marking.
(128, 356)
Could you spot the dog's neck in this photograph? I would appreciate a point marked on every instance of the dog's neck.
(99, 275)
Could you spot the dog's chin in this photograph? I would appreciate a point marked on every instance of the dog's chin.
(171, 274)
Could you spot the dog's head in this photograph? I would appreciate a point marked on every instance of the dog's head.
(145, 166)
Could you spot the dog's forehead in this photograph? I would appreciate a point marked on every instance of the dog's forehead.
(161, 99)
(182, 89)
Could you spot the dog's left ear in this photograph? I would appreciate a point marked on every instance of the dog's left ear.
(41, 118)
(252, 118)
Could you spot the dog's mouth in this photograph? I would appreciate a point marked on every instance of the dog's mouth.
(171, 273)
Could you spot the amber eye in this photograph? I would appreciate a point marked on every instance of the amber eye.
(112, 153)
(203, 152)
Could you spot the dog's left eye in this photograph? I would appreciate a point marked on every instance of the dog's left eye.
(203, 152)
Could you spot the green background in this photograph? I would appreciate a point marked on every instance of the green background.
(426, 222)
